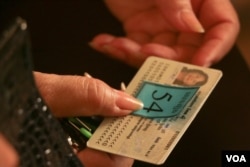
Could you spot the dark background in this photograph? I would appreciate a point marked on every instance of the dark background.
(60, 32)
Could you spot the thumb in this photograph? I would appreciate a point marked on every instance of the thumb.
(91, 157)
(8, 156)
(180, 14)
(83, 96)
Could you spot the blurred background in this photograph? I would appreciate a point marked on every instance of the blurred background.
(243, 9)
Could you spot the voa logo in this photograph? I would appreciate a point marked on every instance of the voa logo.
(236, 158)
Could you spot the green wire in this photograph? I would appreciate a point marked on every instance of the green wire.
(85, 132)
(82, 130)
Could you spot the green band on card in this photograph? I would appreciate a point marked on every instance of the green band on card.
(163, 100)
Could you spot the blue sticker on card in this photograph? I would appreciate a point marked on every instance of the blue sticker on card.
(163, 100)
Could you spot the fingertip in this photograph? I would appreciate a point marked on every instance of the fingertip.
(181, 15)
(121, 48)
(127, 102)
(158, 50)
(202, 63)
(102, 39)
(206, 58)
(190, 21)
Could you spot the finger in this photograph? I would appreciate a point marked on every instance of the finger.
(8, 156)
(215, 47)
(94, 158)
(101, 40)
(164, 38)
(222, 30)
(159, 50)
(180, 14)
(133, 54)
(140, 37)
(123, 49)
(83, 96)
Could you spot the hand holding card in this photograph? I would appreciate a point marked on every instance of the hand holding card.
(172, 93)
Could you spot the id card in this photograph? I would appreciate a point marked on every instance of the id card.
(172, 93)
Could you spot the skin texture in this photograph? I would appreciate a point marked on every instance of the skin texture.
(83, 96)
(199, 32)
(93, 158)
(8, 156)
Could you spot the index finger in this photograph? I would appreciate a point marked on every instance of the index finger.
(222, 27)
